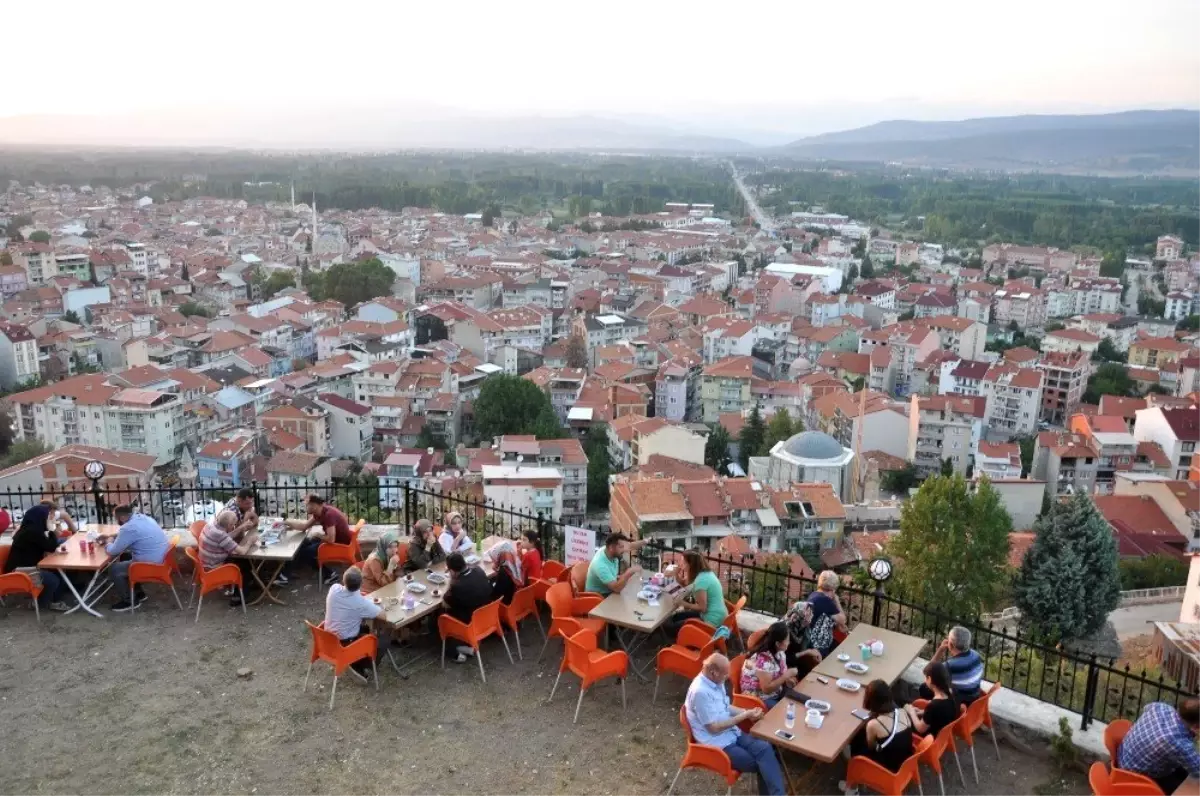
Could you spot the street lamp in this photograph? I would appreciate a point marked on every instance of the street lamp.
(880, 570)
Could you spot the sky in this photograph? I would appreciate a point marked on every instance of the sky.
(778, 65)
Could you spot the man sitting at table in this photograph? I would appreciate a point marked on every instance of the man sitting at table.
(324, 523)
(964, 663)
(469, 589)
(218, 543)
(1161, 744)
(604, 574)
(143, 539)
(714, 722)
(242, 505)
(346, 608)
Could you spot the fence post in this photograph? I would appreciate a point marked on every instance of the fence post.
(257, 504)
(878, 604)
(1089, 692)
(98, 496)
(408, 519)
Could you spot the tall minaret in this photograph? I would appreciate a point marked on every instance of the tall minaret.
(293, 196)
(314, 222)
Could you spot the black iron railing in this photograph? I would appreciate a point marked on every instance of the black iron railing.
(1097, 688)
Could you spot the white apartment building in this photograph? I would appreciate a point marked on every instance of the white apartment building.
(1177, 432)
(998, 460)
(1181, 304)
(350, 427)
(18, 356)
(523, 488)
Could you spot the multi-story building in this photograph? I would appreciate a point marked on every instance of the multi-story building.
(1087, 296)
(633, 439)
(1180, 304)
(350, 427)
(725, 387)
(1065, 380)
(527, 489)
(1020, 304)
(302, 417)
(37, 261)
(1177, 432)
(1155, 352)
(998, 461)
(565, 457)
(966, 338)
(1120, 330)
(943, 427)
(1014, 397)
(610, 328)
(879, 420)
(480, 290)
(1065, 341)
(18, 356)
(226, 461)
(1089, 456)
(1168, 247)
(677, 391)
(13, 280)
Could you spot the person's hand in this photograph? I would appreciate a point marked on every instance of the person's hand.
(636, 568)
(944, 646)
(792, 673)
(754, 714)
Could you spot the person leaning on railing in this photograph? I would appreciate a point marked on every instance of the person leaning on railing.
(964, 663)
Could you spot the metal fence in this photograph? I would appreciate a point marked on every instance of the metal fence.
(1092, 686)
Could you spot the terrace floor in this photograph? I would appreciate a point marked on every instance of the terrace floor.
(151, 703)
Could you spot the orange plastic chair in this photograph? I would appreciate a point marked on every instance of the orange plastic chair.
(523, 605)
(685, 657)
(1119, 783)
(755, 637)
(197, 528)
(553, 570)
(944, 740)
(345, 554)
(145, 572)
(401, 555)
(579, 576)
(569, 615)
(328, 647)
(730, 622)
(213, 579)
(20, 583)
(865, 771)
(583, 657)
(484, 622)
(978, 715)
(1114, 733)
(704, 756)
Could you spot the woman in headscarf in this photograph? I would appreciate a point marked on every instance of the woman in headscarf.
(506, 561)
(423, 547)
(454, 537)
(30, 544)
(381, 566)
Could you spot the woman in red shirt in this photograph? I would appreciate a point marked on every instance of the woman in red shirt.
(530, 546)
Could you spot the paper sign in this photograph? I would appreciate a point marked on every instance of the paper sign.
(580, 545)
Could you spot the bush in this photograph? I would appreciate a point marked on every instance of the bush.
(1152, 572)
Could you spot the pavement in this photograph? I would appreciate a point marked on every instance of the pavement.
(1135, 620)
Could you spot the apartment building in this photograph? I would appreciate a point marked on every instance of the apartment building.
(305, 418)
(842, 415)
(677, 391)
(725, 387)
(36, 260)
(610, 328)
(1066, 376)
(564, 457)
(728, 337)
(1065, 341)
(18, 356)
(943, 427)
(350, 427)
(965, 337)
(1177, 432)
(1120, 330)
(1168, 247)
(480, 290)
(1087, 296)
(1089, 456)
(1014, 397)
(633, 439)
(1023, 305)
(1180, 304)
(1155, 352)
(906, 344)
(998, 460)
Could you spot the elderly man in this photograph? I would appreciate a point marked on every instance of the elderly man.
(141, 539)
(346, 608)
(1162, 744)
(218, 541)
(604, 574)
(242, 505)
(964, 663)
(714, 722)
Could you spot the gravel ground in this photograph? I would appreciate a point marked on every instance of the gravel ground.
(151, 703)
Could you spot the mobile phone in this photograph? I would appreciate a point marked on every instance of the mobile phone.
(784, 734)
(859, 713)
(822, 680)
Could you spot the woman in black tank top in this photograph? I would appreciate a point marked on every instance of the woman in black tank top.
(887, 737)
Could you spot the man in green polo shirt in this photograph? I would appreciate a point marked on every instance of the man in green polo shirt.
(604, 574)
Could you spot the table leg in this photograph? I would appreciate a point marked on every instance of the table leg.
(401, 670)
(631, 648)
(266, 594)
(82, 599)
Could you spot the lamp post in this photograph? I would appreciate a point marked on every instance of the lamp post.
(880, 570)
(95, 471)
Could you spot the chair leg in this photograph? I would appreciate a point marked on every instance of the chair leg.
(306, 674)
(654, 698)
(538, 617)
(479, 660)
(673, 781)
(973, 765)
(333, 692)
(375, 672)
(506, 649)
(543, 652)
(176, 594)
(958, 763)
(37, 612)
(995, 743)
(517, 640)
(579, 704)
(443, 653)
(941, 783)
(555, 688)
(242, 594)
(920, 787)
(624, 706)
(132, 602)
(199, 603)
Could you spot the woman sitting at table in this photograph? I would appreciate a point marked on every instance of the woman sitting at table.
(454, 537)
(887, 737)
(380, 567)
(765, 673)
(423, 548)
(530, 548)
(936, 713)
(827, 613)
(30, 544)
(506, 563)
(702, 598)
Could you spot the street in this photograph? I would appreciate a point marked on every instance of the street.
(1135, 620)
(764, 221)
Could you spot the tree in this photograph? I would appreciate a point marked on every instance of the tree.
(1149, 306)
(509, 404)
(600, 465)
(1111, 378)
(1069, 581)
(716, 448)
(70, 316)
(750, 441)
(427, 439)
(5, 258)
(92, 274)
(898, 482)
(41, 236)
(947, 467)
(867, 269)
(1152, 572)
(1113, 264)
(277, 281)
(779, 429)
(577, 355)
(1107, 352)
(353, 283)
(953, 545)
(1026, 444)
(1189, 324)
(183, 272)
(190, 308)
(212, 232)
(851, 276)
(23, 450)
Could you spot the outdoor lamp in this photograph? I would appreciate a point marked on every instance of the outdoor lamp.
(880, 569)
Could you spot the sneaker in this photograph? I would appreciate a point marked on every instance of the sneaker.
(139, 597)
(235, 601)
(280, 580)
(848, 791)
(461, 658)
(332, 579)
(59, 606)
(122, 606)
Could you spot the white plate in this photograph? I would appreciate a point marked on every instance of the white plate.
(472, 559)
(436, 577)
(818, 704)
(843, 657)
(855, 667)
(848, 685)
(416, 588)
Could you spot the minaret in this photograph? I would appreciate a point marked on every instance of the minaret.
(314, 221)
(293, 196)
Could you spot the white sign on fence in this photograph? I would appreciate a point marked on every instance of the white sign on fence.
(580, 545)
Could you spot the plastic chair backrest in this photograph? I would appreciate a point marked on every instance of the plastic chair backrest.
(687, 726)
(1114, 733)
(4, 551)
(197, 527)
(733, 608)
(172, 543)
(1105, 783)
(198, 568)
(17, 583)
(755, 637)
(523, 602)
(485, 619)
(402, 554)
(558, 597)
(735, 673)
(326, 644)
(578, 646)
(553, 570)
(579, 576)
(976, 711)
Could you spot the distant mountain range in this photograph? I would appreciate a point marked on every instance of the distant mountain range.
(1135, 142)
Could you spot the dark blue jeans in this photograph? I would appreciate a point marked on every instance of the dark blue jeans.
(749, 754)
(53, 588)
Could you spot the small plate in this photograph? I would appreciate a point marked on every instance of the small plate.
(843, 657)
(848, 685)
(854, 667)
(818, 704)
(472, 559)
(416, 588)
(436, 577)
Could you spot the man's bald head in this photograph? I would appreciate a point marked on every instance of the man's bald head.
(716, 667)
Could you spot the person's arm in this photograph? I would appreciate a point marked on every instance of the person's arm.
(940, 653)
(70, 521)
(623, 578)
(918, 720)
(245, 546)
(119, 544)
(839, 617)
(1186, 754)
(713, 719)
(769, 685)
(699, 601)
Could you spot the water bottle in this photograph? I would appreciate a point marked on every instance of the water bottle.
(789, 719)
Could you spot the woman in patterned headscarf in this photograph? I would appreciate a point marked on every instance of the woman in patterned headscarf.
(507, 563)
(381, 566)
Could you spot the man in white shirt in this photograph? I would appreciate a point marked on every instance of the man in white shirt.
(346, 608)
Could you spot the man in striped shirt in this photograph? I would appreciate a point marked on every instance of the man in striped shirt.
(217, 545)
(964, 663)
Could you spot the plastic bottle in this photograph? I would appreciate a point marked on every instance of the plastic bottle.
(789, 720)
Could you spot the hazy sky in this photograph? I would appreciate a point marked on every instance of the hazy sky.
(934, 58)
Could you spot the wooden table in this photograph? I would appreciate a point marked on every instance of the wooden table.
(899, 650)
(272, 558)
(634, 619)
(1190, 787)
(75, 560)
(825, 744)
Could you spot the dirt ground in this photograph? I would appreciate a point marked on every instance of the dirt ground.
(151, 704)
